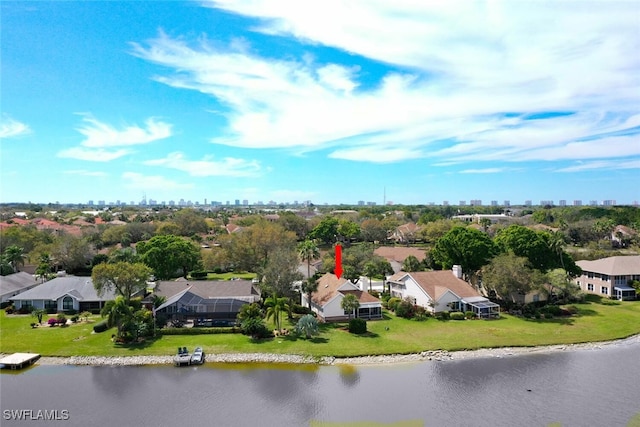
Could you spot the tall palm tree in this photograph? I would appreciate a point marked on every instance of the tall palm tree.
(275, 307)
(15, 256)
(309, 286)
(370, 269)
(556, 243)
(308, 251)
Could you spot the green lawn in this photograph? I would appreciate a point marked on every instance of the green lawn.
(595, 322)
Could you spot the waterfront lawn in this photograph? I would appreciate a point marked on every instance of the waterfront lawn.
(596, 321)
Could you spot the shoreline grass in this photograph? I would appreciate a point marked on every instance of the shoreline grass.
(596, 321)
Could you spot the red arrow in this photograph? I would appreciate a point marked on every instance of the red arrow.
(338, 269)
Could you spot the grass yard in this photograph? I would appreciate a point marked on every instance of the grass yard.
(596, 321)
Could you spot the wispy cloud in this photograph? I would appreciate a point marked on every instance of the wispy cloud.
(10, 127)
(83, 172)
(484, 92)
(101, 139)
(228, 166)
(137, 181)
(602, 164)
(487, 170)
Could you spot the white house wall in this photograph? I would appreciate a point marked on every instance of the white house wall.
(413, 290)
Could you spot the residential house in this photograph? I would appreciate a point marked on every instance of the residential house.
(622, 235)
(610, 277)
(439, 291)
(326, 301)
(62, 294)
(406, 233)
(205, 302)
(16, 283)
(397, 254)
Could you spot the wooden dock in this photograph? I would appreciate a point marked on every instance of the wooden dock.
(18, 360)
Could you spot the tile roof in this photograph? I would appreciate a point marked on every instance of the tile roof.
(329, 287)
(80, 287)
(15, 282)
(437, 283)
(613, 266)
(207, 289)
(400, 253)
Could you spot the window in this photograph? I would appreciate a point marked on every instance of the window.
(590, 275)
(620, 280)
(50, 305)
(536, 298)
(604, 290)
(605, 277)
(590, 287)
(67, 303)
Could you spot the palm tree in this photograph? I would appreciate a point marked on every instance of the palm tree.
(307, 325)
(309, 286)
(38, 313)
(118, 312)
(350, 304)
(308, 251)
(44, 267)
(275, 307)
(14, 256)
(556, 243)
(370, 269)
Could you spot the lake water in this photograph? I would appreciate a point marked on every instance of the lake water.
(572, 388)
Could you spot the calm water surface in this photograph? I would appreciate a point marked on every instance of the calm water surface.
(577, 388)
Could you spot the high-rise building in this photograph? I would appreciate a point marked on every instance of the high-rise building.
(462, 203)
(546, 202)
(527, 203)
(577, 203)
(507, 203)
(593, 203)
(494, 203)
(562, 203)
(608, 202)
(445, 203)
(476, 202)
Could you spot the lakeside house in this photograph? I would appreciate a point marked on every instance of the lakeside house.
(397, 254)
(63, 293)
(326, 301)
(205, 302)
(610, 277)
(16, 283)
(439, 291)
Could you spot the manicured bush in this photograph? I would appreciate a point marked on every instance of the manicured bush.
(100, 326)
(357, 326)
(199, 331)
(405, 308)
(457, 315)
(443, 315)
(75, 318)
(392, 303)
(62, 319)
(52, 321)
(199, 275)
(469, 315)
(9, 309)
(255, 327)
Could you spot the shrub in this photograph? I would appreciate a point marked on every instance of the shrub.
(75, 318)
(52, 321)
(457, 315)
(199, 331)
(572, 309)
(100, 326)
(375, 294)
(25, 310)
(199, 275)
(71, 312)
(443, 315)
(9, 309)
(255, 327)
(300, 309)
(553, 310)
(469, 315)
(392, 303)
(62, 319)
(357, 326)
(405, 308)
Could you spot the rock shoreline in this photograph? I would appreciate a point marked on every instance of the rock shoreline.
(433, 355)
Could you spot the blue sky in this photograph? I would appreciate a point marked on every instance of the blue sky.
(328, 101)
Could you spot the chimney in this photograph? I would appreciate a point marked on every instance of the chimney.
(457, 271)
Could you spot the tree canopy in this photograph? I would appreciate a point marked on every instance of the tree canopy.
(168, 254)
(126, 279)
(464, 246)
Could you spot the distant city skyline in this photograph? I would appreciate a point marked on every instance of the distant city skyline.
(333, 102)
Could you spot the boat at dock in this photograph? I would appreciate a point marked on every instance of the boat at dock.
(183, 358)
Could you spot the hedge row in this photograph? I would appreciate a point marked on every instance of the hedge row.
(100, 327)
(199, 331)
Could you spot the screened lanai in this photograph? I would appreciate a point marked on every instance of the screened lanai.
(481, 306)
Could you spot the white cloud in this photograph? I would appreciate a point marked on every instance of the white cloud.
(83, 172)
(136, 180)
(10, 127)
(481, 171)
(228, 166)
(99, 134)
(101, 139)
(92, 155)
(464, 80)
(602, 164)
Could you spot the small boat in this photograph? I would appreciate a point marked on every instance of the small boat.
(183, 358)
(197, 358)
